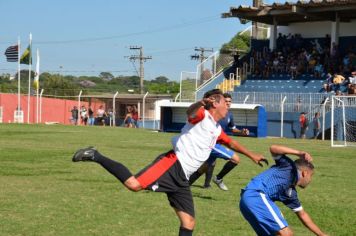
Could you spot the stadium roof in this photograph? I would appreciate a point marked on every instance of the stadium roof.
(129, 96)
(295, 12)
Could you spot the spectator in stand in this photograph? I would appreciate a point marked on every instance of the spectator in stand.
(303, 122)
(74, 118)
(338, 81)
(293, 70)
(318, 70)
(352, 84)
(328, 85)
(100, 116)
(91, 116)
(316, 124)
(83, 115)
(311, 65)
(275, 65)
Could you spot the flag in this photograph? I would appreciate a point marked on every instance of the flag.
(26, 57)
(11, 53)
(37, 74)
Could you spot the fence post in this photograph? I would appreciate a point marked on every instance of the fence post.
(246, 98)
(282, 114)
(178, 95)
(323, 129)
(143, 109)
(114, 109)
(80, 94)
(41, 105)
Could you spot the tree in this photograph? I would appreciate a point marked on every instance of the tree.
(106, 76)
(239, 42)
(160, 80)
(59, 86)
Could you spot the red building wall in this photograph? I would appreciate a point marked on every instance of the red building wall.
(53, 109)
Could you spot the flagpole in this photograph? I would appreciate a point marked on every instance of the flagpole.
(18, 78)
(37, 83)
(29, 82)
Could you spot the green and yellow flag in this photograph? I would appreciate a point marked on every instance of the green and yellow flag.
(26, 57)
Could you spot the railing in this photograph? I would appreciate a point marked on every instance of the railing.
(295, 102)
(210, 67)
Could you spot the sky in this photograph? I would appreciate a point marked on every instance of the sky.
(86, 37)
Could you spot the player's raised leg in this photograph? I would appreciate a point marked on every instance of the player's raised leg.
(117, 169)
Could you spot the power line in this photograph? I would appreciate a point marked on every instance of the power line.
(161, 29)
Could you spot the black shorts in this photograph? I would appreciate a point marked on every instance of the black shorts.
(165, 174)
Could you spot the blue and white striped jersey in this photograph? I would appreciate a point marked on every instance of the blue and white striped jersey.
(227, 123)
(278, 182)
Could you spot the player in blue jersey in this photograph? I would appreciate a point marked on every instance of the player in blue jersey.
(220, 151)
(278, 184)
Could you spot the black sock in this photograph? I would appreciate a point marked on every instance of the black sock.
(185, 232)
(194, 177)
(226, 169)
(115, 168)
(209, 175)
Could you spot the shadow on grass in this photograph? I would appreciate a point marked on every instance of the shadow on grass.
(33, 173)
(88, 180)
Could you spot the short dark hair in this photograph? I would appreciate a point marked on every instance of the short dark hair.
(215, 93)
(301, 164)
(227, 95)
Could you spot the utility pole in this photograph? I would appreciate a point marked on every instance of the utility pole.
(200, 57)
(142, 59)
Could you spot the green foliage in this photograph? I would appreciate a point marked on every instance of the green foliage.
(161, 85)
(69, 85)
(240, 42)
(44, 193)
(58, 85)
(106, 76)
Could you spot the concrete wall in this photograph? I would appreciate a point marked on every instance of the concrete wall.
(318, 29)
(53, 110)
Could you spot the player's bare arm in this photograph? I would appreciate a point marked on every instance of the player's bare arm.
(308, 222)
(281, 150)
(244, 132)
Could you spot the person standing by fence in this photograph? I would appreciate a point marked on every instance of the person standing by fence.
(303, 121)
(74, 118)
(316, 124)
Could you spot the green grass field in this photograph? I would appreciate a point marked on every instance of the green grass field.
(43, 193)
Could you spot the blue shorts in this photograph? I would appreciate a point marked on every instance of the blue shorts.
(261, 212)
(219, 151)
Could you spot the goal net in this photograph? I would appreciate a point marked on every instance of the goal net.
(343, 121)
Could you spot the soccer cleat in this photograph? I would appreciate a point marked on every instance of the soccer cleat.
(207, 186)
(85, 154)
(220, 183)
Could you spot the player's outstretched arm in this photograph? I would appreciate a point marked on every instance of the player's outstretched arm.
(308, 222)
(281, 150)
(257, 158)
(243, 132)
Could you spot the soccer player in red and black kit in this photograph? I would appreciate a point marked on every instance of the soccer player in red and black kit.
(170, 171)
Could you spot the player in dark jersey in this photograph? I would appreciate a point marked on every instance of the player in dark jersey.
(278, 184)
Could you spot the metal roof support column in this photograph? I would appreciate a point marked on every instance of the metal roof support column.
(273, 37)
(335, 29)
